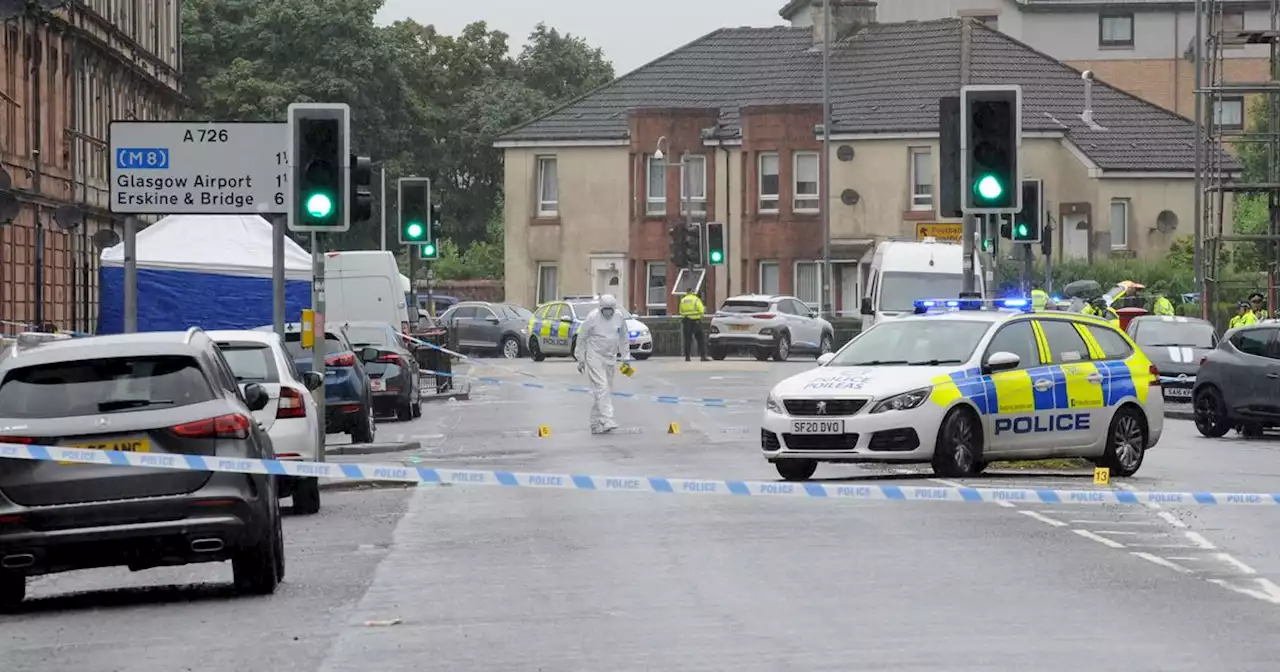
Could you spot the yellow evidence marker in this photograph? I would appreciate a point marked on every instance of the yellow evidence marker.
(1102, 476)
(673, 428)
(543, 431)
(627, 370)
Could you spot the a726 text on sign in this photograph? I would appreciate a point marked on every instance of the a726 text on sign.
(199, 168)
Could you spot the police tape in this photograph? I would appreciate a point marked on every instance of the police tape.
(465, 358)
(686, 486)
(706, 402)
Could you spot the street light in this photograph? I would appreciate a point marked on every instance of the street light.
(686, 189)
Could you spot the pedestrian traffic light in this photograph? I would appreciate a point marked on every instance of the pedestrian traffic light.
(1026, 224)
(693, 245)
(715, 243)
(676, 236)
(414, 208)
(990, 133)
(318, 157)
(361, 198)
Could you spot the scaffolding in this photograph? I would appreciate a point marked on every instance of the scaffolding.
(1219, 178)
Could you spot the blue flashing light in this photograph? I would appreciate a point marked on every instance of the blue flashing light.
(926, 305)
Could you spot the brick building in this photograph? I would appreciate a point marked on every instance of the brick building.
(588, 207)
(67, 69)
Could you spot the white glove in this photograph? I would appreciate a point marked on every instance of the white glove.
(582, 366)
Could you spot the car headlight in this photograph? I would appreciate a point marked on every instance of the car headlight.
(904, 401)
(773, 403)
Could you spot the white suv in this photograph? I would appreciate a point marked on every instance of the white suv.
(768, 325)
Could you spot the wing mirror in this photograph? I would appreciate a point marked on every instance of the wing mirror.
(312, 380)
(826, 358)
(491, 320)
(368, 355)
(1002, 361)
(256, 397)
(866, 307)
(566, 318)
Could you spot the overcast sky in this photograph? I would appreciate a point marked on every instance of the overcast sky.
(630, 37)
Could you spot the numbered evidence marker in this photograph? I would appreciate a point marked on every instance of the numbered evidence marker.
(199, 168)
(1102, 476)
(673, 428)
(544, 431)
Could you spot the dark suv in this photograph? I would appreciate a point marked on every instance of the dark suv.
(1238, 385)
(166, 393)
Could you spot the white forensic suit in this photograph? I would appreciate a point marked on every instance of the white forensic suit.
(602, 343)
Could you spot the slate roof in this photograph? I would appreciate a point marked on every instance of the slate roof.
(886, 78)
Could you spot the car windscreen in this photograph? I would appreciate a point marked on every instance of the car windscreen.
(900, 290)
(514, 312)
(744, 307)
(1158, 333)
(251, 362)
(376, 337)
(293, 343)
(582, 310)
(914, 342)
(97, 386)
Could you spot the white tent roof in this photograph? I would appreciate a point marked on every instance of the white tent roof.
(221, 244)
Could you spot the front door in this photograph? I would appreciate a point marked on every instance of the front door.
(1010, 424)
(1075, 236)
(1078, 414)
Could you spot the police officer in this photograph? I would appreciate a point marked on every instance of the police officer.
(691, 312)
(1255, 305)
(1244, 316)
(1039, 300)
(1162, 305)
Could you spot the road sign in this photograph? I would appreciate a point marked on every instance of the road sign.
(952, 232)
(199, 168)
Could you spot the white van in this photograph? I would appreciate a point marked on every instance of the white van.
(904, 271)
(365, 285)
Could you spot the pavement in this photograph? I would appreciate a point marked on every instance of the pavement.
(455, 578)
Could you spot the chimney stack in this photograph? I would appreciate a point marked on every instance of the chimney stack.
(847, 18)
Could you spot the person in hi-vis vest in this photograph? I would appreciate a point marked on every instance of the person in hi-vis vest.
(691, 312)
(1039, 300)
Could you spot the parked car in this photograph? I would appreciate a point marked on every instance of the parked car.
(768, 325)
(1175, 345)
(393, 372)
(158, 392)
(489, 327)
(290, 417)
(348, 396)
(1238, 384)
(553, 328)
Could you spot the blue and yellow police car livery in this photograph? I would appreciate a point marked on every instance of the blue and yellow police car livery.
(553, 329)
(966, 382)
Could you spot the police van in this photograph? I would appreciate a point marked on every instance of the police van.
(961, 383)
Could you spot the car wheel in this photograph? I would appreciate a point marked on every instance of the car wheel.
(404, 412)
(510, 347)
(1126, 442)
(13, 590)
(958, 450)
(718, 354)
(641, 356)
(364, 432)
(782, 349)
(306, 496)
(257, 567)
(534, 351)
(826, 345)
(1211, 413)
(796, 470)
(763, 354)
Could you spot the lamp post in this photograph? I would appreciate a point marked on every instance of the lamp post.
(686, 196)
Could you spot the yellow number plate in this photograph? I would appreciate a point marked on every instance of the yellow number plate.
(133, 445)
(739, 327)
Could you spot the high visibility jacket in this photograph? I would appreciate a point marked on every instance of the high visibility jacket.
(1163, 306)
(691, 307)
(1260, 314)
(1242, 320)
(1039, 299)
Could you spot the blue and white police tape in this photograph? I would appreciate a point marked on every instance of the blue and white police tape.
(465, 358)
(707, 402)
(685, 486)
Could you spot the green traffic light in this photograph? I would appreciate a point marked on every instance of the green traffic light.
(414, 230)
(429, 250)
(986, 245)
(989, 187)
(319, 205)
(1020, 231)
(717, 256)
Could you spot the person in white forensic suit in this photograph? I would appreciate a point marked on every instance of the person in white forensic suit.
(602, 344)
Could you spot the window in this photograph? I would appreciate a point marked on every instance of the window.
(98, 386)
(1253, 341)
(1065, 343)
(805, 179)
(656, 298)
(769, 183)
(1115, 30)
(548, 187)
(1158, 333)
(809, 282)
(900, 289)
(948, 341)
(293, 343)
(1112, 344)
(1119, 223)
(250, 362)
(1229, 112)
(921, 179)
(1019, 339)
(1232, 22)
(548, 283)
(655, 196)
(695, 183)
(770, 277)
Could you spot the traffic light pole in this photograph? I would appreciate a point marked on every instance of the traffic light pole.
(318, 329)
(278, 225)
(969, 232)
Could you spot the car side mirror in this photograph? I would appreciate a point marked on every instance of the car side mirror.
(368, 354)
(566, 318)
(866, 307)
(826, 358)
(313, 380)
(256, 396)
(491, 320)
(1002, 361)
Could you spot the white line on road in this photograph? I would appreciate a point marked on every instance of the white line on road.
(1043, 518)
(1162, 562)
(1147, 523)
(1227, 558)
(1263, 590)
(1171, 519)
(1101, 540)
(954, 484)
(1198, 540)
(1130, 533)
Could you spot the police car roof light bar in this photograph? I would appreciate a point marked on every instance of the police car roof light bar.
(925, 305)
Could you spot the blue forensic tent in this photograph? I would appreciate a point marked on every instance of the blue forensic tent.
(212, 271)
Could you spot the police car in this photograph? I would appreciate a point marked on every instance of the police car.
(965, 382)
(553, 328)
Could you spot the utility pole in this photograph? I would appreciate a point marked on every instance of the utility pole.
(825, 166)
(382, 208)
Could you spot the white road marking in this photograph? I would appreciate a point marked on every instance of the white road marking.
(1007, 505)
(954, 484)
(1198, 540)
(1263, 589)
(1162, 562)
(1113, 522)
(1171, 519)
(1043, 518)
(1101, 540)
(1227, 558)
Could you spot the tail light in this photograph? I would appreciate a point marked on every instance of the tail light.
(345, 359)
(291, 405)
(389, 358)
(1155, 375)
(232, 426)
(24, 440)
(763, 316)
